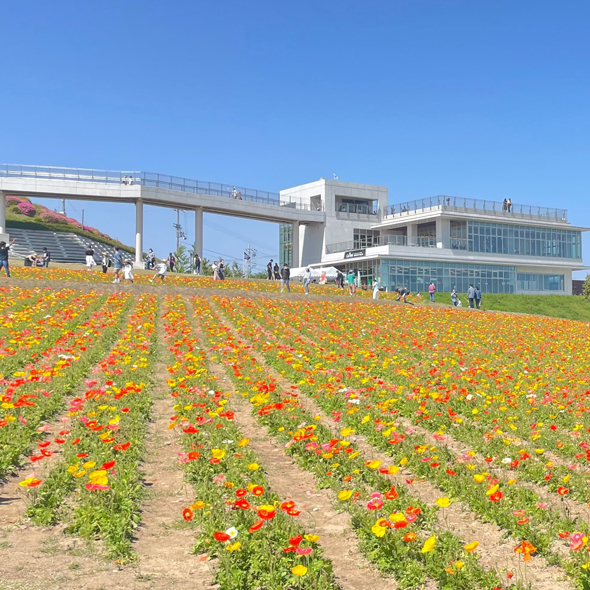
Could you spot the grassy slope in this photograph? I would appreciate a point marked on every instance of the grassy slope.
(558, 306)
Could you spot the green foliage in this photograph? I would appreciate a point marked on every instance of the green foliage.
(183, 260)
(586, 288)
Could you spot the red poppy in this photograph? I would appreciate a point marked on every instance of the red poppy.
(562, 491)
(222, 537)
(187, 514)
(496, 496)
(108, 465)
(295, 540)
(241, 492)
(391, 494)
(266, 514)
(257, 525)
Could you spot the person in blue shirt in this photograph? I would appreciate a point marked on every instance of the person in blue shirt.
(477, 297)
(117, 264)
(454, 297)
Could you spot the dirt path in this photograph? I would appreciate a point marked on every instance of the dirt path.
(494, 550)
(351, 569)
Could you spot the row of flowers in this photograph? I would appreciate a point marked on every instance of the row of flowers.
(104, 442)
(34, 395)
(243, 523)
(358, 400)
(397, 531)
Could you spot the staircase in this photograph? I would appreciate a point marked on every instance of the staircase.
(63, 246)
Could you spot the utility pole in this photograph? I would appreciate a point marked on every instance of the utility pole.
(179, 233)
(248, 261)
(82, 218)
(63, 207)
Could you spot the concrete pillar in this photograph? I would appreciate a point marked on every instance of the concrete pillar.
(443, 232)
(138, 234)
(295, 245)
(199, 231)
(3, 214)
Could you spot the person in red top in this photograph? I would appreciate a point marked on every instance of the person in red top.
(431, 291)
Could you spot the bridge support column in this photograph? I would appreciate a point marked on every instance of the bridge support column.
(3, 232)
(199, 231)
(295, 245)
(138, 234)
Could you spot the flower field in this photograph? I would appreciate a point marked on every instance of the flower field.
(321, 443)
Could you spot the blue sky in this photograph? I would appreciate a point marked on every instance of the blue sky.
(474, 98)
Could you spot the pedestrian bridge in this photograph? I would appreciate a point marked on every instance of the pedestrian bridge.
(151, 189)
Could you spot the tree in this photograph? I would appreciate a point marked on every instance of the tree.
(233, 270)
(586, 288)
(183, 261)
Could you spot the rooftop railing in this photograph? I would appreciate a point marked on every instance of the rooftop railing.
(151, 179)
(463, 205)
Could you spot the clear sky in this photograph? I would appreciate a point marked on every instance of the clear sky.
(474, 98)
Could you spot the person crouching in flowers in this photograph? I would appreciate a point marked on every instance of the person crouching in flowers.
(128, 271)
(161, 270)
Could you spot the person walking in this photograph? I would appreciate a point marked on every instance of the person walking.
(89, 258)
(4, 248)
(128, 271)
(151, 259)
(269, 270)
(376, 287)
(431, 291)
(351, 280)
(454, 297)
(117, 264)
(46, 257)
(339, 280)
(307, 280)
(285, 278)
(171, 261)
(471, 295)
(197, 264)
(105, 262)
(477, 297)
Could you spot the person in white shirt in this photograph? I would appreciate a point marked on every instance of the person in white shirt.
(376, 287)
(162, 269)
(307, 280)
(128, 271)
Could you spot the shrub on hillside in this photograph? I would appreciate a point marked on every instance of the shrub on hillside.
(52, 217)
(26, 209)
(10, 201)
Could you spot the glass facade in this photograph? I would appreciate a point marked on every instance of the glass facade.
(285, 244)
(520, 240)
(417, 274)
(539, 282)
(365, 238)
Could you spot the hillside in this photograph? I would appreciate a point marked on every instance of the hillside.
(22, 213)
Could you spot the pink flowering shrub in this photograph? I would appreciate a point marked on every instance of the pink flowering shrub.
(26, 209)
(10, 201)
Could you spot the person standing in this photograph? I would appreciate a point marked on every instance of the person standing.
(89, 258)
(351, 280)
(477, 297)
(285, 278)
(105, 262)
(431, 291)
(376, 287)
(197, 263)
(215, 269)
(4, 248)
(307, 280)
(171, 261)
(46, 257)
(221, 270)
(454, 297)
(276, 272)
(509, 205)
(151, 259)
(269, 270)
(234, 193)
(505, 205)
(471, 295)
(117, 264)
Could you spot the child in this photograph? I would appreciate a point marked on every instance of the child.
(128, 271)
(162, 268)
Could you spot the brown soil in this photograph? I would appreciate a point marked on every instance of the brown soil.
(495, 552)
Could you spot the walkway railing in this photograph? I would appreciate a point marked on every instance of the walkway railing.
(462, 205)
(414, 242)
(150, 179)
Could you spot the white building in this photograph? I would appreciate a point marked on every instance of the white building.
(453, 242)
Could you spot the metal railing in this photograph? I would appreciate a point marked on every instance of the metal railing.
(463, 205)
(403, 241)
(151, 179)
